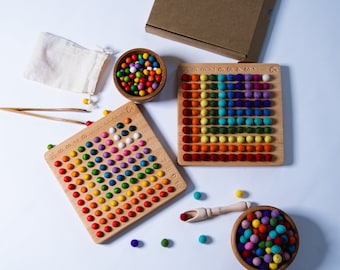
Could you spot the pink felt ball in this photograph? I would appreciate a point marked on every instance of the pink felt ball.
(248, 246)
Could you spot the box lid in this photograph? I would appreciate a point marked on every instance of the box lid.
(234, 28)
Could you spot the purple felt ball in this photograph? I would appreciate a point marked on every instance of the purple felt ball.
(257, 94)
(266, 94)
(248, 94)
(267, 258)
(248, 77)
(248, 86)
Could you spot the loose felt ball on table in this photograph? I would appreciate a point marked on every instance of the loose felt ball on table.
(165, 242)
(50, 146)
(134, 243)
(197, 195)
(203, 239)
(239, 193)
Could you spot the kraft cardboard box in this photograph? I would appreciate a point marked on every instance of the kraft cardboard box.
(233, 28)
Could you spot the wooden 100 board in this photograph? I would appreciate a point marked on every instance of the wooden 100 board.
(115, 172)
(230, 114)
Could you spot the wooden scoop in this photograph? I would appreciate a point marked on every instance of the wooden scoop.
(199, 214)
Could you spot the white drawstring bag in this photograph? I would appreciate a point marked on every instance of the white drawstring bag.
(61, 63)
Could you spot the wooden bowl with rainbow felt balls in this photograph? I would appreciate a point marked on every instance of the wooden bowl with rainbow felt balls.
(139, 74)
(265, 238)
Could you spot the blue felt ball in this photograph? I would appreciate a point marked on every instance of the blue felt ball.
(202, 239)
(197, 195)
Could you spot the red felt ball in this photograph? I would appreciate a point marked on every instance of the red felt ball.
(185, 77)
(186, 86)
(184, 217)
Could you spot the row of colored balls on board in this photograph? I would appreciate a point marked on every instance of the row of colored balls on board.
(258, 103)
(233, 139)
(229, 112)
(248, 104)
(230, 130)
(226, 86)
(222, 95)
(232, 148)
(232, 157)
(231, 121)
(239, 77)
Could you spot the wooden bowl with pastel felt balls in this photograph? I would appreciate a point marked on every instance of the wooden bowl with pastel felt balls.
(139, 74)
(265, 237)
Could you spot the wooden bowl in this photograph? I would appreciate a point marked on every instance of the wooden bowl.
(129, 81)
(286, 243)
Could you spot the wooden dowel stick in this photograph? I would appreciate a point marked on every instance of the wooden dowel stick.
(44, 116)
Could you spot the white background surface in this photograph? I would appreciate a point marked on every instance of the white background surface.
(38, 227)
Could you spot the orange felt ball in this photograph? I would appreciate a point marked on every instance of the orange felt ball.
(195, 77)
(267, 148)
(250, 216)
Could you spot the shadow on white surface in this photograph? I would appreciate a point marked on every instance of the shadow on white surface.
(312, 245)
(287, 111)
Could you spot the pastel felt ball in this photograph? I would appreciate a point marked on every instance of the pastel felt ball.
(256, 261)
(265, 77)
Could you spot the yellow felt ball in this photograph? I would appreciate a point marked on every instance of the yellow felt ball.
(213, 139)
(258, 139)
(96, 192)
(114, 203)
(222, 139)
(204, 86)
(86, 101)
(273, 266)
(204, 95)
(239, 193)
(101, 200)
(204, 77)
(268, 139)
(256, 223)
(240, 139)
(231, 139)
(106, 112)
(277, 258)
